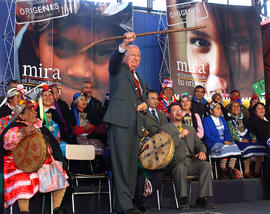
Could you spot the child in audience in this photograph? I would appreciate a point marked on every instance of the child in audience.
(218, 139)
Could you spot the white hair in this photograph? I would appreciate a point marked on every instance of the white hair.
(129, 46)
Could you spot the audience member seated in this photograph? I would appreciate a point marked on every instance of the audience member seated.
(259, 123)
(150, 181)
(95, 112)
(83, 129)
(153, 118)
(218, 139)
(12, 99)
(53, 119)
(166, 96)
(235, 94)
(189, 159)
(245, 140)
(11, 84)
(218, 99)
(94, 107)
(18, 185)
(254, 100)
(189, 117)
(64, 108)
(199, 104)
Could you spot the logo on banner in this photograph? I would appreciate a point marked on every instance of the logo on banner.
(40, 10)
(178, 16)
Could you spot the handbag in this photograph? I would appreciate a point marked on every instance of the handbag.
(52, 176)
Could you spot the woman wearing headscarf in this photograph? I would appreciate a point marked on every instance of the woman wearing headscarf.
(82, 128)
(12, 99)
(52, 117)
(19, 185)
(245, 140)
(166, 96)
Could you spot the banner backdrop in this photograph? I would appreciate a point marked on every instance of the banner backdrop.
(225, 55)
(50, 35)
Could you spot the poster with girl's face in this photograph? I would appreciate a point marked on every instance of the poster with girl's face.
(225, 54)
(51, 33)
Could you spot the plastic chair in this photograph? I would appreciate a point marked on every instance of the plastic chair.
(86, 152)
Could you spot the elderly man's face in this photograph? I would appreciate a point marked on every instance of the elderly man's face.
(133, 57)
(88, 88)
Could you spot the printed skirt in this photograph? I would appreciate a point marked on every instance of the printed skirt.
(251, 149)
(220, 150)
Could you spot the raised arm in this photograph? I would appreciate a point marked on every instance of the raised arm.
(119, 53)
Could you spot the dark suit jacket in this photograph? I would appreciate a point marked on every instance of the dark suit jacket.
(124, 97)
(200, 108)
(152, 125)
(95, 111)
(191, 141)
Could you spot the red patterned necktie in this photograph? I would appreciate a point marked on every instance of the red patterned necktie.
(137, 84)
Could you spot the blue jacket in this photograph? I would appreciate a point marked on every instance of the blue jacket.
(211, 135)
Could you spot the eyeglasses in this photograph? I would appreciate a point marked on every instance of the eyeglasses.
(177, 111)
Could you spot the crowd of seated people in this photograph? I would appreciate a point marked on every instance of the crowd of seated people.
(226, 133)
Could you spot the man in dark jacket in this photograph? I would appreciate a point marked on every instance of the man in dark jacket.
(125, 120)
(199, 104)
(94, 106)
(154, 119)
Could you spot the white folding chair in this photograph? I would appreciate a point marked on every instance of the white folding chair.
(86, 152)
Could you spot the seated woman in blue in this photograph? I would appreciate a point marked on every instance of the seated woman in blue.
(218, 139)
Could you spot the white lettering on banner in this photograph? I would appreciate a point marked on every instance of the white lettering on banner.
(39, 9)
(33, 71)
(184, 12)
(190, 67)
(30, 11)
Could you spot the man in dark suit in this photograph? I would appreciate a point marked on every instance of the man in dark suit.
(94, 106)
(154, 119)
(189, 159)
(199, 103)
(125, 120)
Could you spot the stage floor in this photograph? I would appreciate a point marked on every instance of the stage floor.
(250, 207)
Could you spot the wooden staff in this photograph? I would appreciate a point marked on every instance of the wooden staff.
(138, 35)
